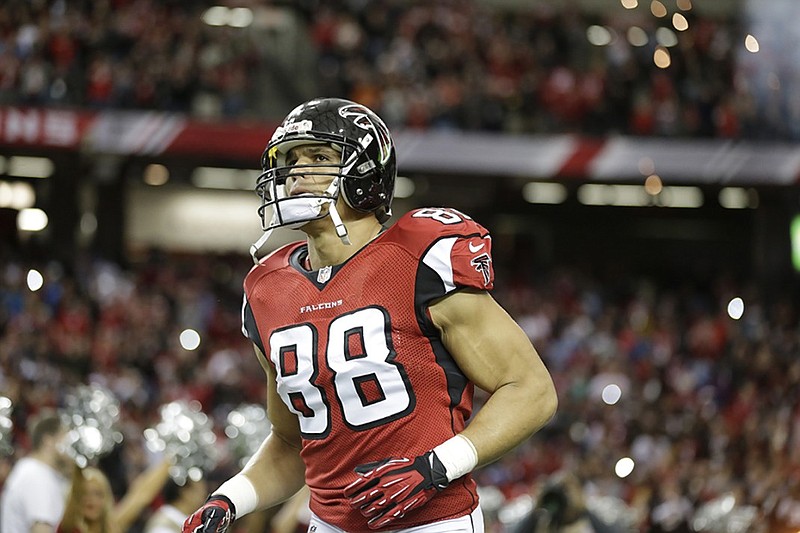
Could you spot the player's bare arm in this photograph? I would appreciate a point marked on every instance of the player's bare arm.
(273, 474)
(494, 353)
(276, 469)
(497, 356)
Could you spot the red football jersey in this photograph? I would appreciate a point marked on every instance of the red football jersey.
(358, 359)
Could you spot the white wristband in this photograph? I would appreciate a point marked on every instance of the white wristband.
(240, 490)
(458, 455)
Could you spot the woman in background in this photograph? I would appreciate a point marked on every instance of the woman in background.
(91, 507)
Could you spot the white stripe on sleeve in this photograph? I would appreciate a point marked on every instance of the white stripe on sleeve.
(438, 258)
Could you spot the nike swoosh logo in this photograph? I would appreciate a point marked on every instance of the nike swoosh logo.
(478, 248)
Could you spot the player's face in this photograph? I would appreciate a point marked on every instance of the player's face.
(311, 180)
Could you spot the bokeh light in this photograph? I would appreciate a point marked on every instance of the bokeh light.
(35, 280)
(662, 58)
(736, 308)
(751, 44)
(611, 394)
(624, 467)
(190, 339)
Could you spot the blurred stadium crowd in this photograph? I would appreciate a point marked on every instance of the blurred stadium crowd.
(705, 406)
(419, 64)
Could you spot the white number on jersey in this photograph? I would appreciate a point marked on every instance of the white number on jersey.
(441, 214)
(370, 388)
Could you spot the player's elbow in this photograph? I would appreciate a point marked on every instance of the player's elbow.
(545, 400)
(549, 401)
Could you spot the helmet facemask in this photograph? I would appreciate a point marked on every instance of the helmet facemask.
(278, 209)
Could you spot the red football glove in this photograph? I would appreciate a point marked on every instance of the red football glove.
(386, 490)
(215, 516)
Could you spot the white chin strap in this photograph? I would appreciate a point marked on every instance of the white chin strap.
(295, 212)
(256, 246)
(341, 230)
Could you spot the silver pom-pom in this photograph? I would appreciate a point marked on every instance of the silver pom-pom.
(514, 511)
(186, 434)
(722, 515)
(91, 413)
(247, 427)
(6, 427)
(613, 512)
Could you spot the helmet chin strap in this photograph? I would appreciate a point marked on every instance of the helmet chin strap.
(341, 230)
(296, 212)
(256, 246)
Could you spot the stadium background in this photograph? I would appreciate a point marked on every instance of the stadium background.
(636, 162)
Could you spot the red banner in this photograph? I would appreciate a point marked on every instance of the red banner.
(610, 159)
(133, 133)
(51, 128)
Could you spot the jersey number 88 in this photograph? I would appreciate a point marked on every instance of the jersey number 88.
(370, 387)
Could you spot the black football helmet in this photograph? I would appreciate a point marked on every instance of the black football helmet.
(365, 176)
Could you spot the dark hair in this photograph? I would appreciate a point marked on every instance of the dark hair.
(45, 423)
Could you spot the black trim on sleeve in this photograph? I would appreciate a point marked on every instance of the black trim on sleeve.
(250, 328)
(456, 380)
(429, 287)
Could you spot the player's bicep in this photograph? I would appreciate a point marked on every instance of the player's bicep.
(486, 343)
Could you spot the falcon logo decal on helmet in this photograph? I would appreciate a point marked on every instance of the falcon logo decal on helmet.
(369, 121)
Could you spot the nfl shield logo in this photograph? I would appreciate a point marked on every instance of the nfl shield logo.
(324, 274)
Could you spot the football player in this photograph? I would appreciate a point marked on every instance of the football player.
(372, 339)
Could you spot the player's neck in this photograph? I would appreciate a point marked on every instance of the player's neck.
(325, 248)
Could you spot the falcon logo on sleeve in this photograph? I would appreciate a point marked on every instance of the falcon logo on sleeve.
(482, 264)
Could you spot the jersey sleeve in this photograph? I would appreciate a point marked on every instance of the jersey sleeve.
(268, 263)
(249, 328)
(457, 253)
